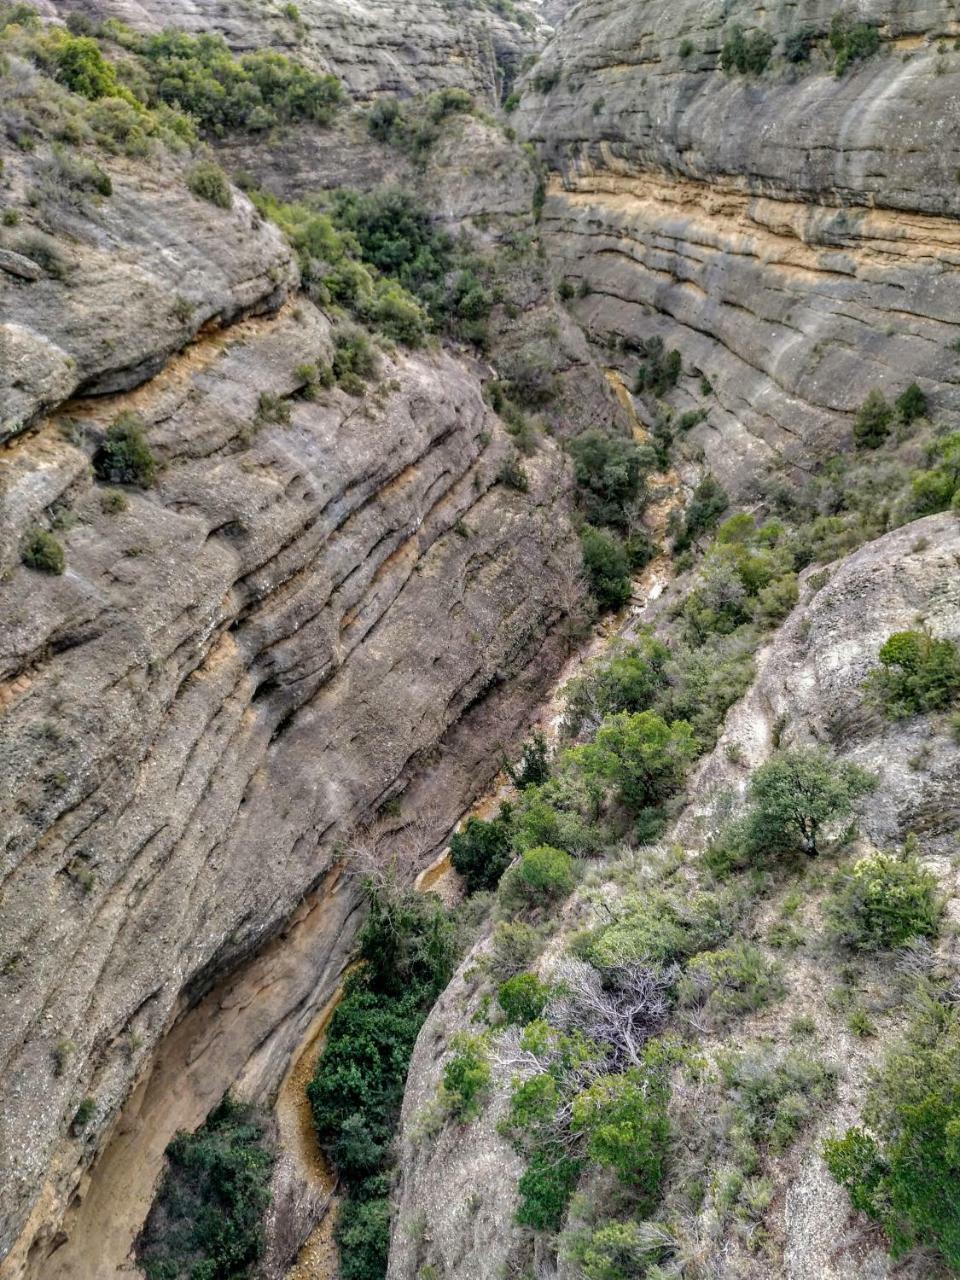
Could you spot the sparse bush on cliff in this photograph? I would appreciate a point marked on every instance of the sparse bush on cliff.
(607, 567)
(542, 875)
(624, 1122)
(901, 1168)
(733, 980)
(873, 421)
(124, 457)
(746, 52)
(851, 41)
(882, 901)
(918, 673)
(707, 505)
(466, 1078)
(208, 181)
(42, 551)
(523, 998)
(660, 369)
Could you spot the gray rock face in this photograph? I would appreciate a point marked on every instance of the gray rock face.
(231, 673)
(373, 46)
(792, 233)
(96, 293)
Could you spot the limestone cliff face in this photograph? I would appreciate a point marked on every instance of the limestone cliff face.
(374, 46)
(793, 233)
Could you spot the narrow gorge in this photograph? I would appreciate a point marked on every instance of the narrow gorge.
(479, 640)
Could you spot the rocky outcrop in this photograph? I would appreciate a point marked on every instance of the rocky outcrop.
(793, 233)
(234, 671)
(96, 292)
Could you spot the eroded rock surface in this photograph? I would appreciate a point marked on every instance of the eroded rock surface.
(792, 233)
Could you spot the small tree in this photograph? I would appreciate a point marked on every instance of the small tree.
(624, 1121)
(124, 457)
(607, 567)
(466, 1077)
(918, 673)
(872, 423)
(641, 755)
(523, 998)
(796, 794)
(911, 404)
(609, 471)
(543, 874)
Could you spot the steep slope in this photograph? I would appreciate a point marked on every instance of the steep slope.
(460, 1180)
(790, 230)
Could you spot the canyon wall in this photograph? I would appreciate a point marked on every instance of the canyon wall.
(791, 232)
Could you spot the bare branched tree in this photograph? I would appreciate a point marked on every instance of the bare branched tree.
(622, 1017)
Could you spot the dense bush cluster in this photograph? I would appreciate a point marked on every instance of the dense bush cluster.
(206, 1223)
(41, 551)
(918, 673)
(746, 52)
(883, 901)
(124, 456)
(406, 958)
(414, 125)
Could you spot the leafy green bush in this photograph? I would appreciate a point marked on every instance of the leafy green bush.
(546, 1186)
(624, 1121)
(798, 45)
(42, 551)
(610, 472)
(607, 567)
(208, 181)
(354, 359)
(707, 505)
(661, 927)
(534, 767)
(910, 404)
(542, 875)
(873, 421)
(513, 474)
(918, 674)
(851, 41)
(124, 457)
(206, 1221)
(640, 755)
(363, 1238)
(902, 1169)
(481, 852)
(560, 812)
(747, 53)
(882, 901)
(200, 76)
(660, 369)
(82, 67)
(466, 1077)
(630, 679)
(736, 979)
(523, 998)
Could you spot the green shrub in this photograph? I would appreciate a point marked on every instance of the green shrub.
(882, 901)
(873, 421)
(607, 567)
(610, 472)
(124, 457)
(207, 1218)
(534, 767)
(661, 927)
(542, 875)
(707, 505)
(798, 45)
(208, 181)
(624, 1121)
(737, 979)
(383, 118)
(83, 1114)
(82, 67)
(918, 674)
(630, 679)
(363, 1238)
(851, 41)
(911, 404)
(746, 53)
(660, 369)
(523, 998)
(546, 1186)
(796, 794)
(481, 851)
(112, 502)
(640, 755)
(42, 551)
(466, 1077)
(902, 1169)
(619, 1250)
(513, 474)
(686, 49)
(773, 1097)
(200, 76)
(354, 359)
(560, 812)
